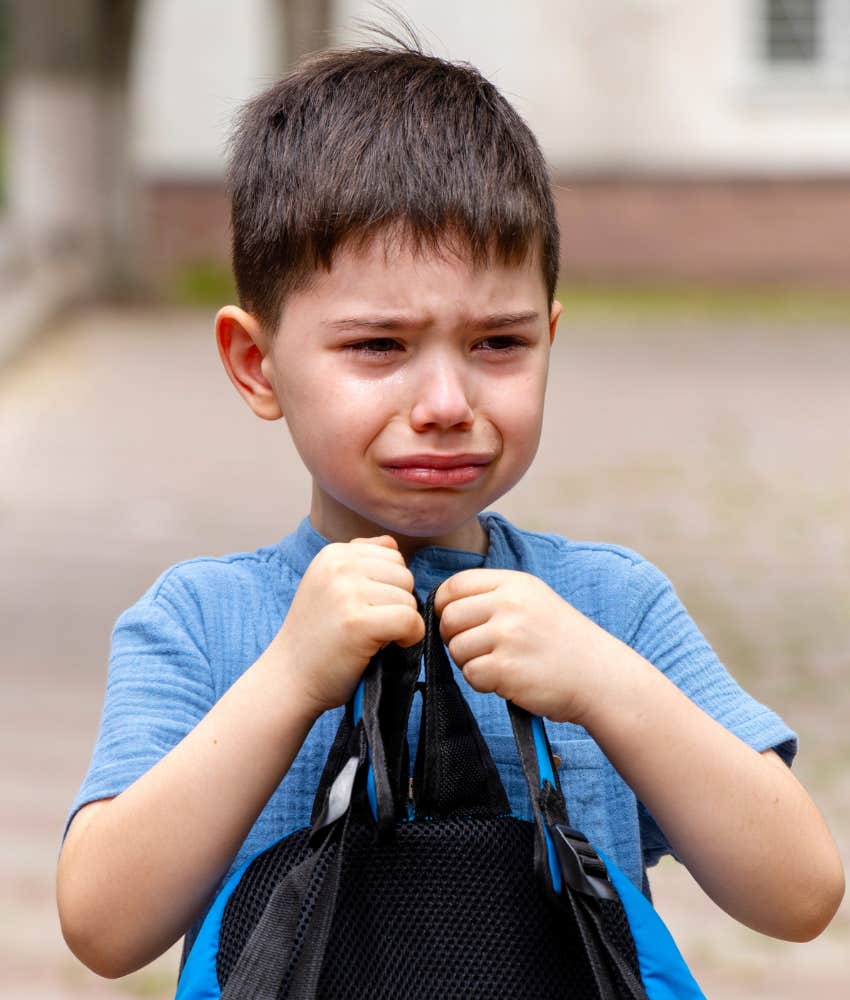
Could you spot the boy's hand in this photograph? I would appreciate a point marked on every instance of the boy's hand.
(513, 635)
(355, 598)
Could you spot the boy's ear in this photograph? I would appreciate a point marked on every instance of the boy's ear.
(242, 346)
(554, 316)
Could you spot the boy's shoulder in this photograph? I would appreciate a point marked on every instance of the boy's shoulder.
(608, 582)
(553, 551)
(215, 575)
(242, 579)
(225, 607)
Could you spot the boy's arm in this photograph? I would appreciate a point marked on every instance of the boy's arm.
(739, 820)
(136, 871)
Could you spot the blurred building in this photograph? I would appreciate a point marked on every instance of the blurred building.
(689, 142)
(693, 142)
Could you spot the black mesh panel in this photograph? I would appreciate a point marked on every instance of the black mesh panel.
(449, 908)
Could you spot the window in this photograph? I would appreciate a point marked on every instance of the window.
(792, 31)
(804, 41)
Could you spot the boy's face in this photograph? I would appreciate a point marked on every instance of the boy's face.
(412, 385)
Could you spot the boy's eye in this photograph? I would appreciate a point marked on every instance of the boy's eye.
(376, 345)
(501, 344)
(386, 345)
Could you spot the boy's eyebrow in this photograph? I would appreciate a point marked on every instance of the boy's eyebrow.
(496, 320)
(492, 321)
(376, 322)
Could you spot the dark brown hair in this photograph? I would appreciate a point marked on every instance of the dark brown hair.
(356, 142)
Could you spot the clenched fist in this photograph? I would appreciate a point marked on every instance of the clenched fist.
(355, 598)
(513, 635)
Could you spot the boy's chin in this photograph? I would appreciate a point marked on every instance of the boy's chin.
(457, 533)
(453, 524)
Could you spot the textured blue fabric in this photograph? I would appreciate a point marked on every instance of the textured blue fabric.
(205, 621)
(663, 971)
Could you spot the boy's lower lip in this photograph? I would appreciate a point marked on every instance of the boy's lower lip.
(458, 475)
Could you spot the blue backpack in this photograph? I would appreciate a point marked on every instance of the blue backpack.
(424, 885)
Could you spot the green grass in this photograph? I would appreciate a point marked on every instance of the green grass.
(210, 283)
(205, 283)
(676, 303)
(2, 168)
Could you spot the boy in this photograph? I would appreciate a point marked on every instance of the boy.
(395, 249)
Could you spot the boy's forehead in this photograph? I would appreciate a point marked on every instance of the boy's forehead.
(394, 274)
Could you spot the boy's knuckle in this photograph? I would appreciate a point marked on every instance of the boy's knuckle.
(474, 672)
(417, 629)
(410, 602)
(338, 590)
(407, 626)
(503, 628)
(334, 560)
(446, 624)
(350, 614)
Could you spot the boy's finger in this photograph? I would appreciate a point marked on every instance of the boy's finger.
(465, 613)
(388, 571)
(471, 644)
(386, 540)
(465, 584)
(381, 548)
(416, 633)
(396, 623)
(481, 674)
(380, 594)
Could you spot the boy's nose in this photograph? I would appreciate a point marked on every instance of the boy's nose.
(442, 398)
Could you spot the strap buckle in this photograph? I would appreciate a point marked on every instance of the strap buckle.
(581, 867)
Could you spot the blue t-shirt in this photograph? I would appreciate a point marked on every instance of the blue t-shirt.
(205, 621)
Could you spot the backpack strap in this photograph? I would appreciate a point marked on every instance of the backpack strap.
(454, 773)
(561, 853)
(380, 705)
(284, 954)
(566, 865)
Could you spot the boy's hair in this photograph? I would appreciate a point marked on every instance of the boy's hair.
(381, 140)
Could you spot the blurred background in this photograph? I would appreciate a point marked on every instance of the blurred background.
(698, 412)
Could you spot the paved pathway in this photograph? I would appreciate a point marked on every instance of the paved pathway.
(721, 454)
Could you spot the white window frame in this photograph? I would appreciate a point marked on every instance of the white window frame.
(830, 71)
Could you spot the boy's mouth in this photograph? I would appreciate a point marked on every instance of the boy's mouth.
(439, 470)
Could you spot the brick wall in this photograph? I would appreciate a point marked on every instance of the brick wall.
(723, 231)
(183, 222)
(744, 232)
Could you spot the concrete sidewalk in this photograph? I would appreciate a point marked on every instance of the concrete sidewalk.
(722, 455)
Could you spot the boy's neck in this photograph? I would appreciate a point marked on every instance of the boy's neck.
(339, 524)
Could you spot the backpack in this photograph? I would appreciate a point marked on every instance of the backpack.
(424, 885)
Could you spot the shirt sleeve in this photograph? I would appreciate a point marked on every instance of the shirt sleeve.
(158, 688)
(664, 633)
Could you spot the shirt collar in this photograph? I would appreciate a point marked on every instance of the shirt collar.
(430, 565)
